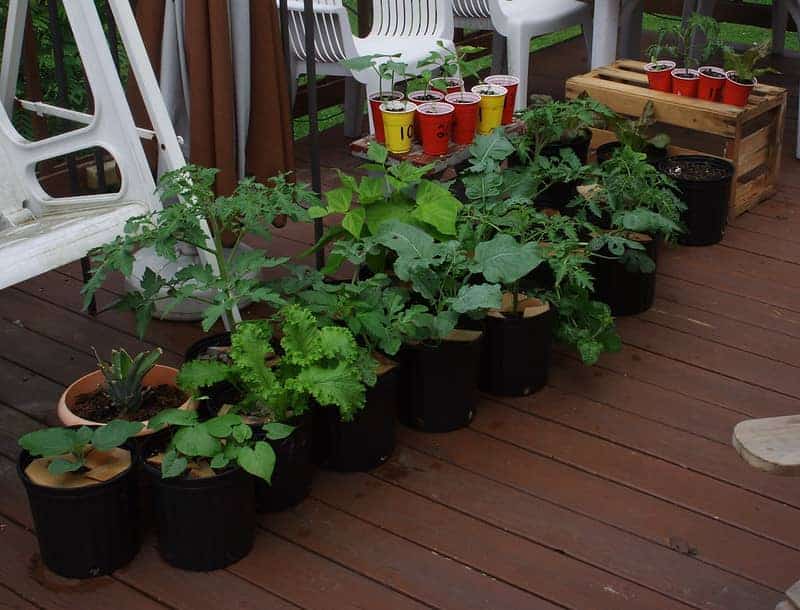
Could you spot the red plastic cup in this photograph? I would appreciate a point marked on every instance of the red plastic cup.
(710, 86)
(736, 93)
(660, 80)
(465, 115)
(436, 123)
(685, 82)
(448, 85)
(414, 97)
(510, 83)
(375, 101)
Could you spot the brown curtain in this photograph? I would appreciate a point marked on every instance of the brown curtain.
(211, 87)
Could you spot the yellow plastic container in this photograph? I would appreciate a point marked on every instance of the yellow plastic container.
(490, 113)
(398, 125)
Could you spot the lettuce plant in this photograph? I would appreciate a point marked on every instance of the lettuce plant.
(323, 364)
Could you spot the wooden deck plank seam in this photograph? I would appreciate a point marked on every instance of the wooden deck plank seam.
(21, 597)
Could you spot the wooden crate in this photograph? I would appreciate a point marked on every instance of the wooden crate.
(751, 137)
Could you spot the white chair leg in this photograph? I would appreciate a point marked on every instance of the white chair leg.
(780, 18)
(353, 107)
(519, 55)
(588, 31)
(499, 63)
(372, 86)
(630, 30)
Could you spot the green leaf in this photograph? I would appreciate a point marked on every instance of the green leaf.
(196, 441)
(48, 442)
(258, 461)
(172, 417)
(316, 211)
(219, 461)
(478, 297)
(371, 190)
(437, 207)
(211, 314)
(83, 435)
(339, 199)
(60, 465)
(276, 431)
(379, 213)
(197, 374)
(114, 433)
(377, 153)
(173, 465)
(502, 259)
(406, 240)
(242, 433)
(339, 385)
(222, 425)
(354, 221)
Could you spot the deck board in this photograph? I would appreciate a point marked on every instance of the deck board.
(615, 487)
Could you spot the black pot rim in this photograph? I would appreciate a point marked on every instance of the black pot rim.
(27, 458)
(707, 159)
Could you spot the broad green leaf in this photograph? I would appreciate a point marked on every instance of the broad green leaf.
(172, 417)
(219, 461)
(114, 433)
(338, 385)
(258, 461)
(48, 442)
(406, 240)
(354, 221)
(503, 260)
(379, 213)
(316, 211)
(83, 435)
(437, 207)
(222, 425)
(371, 190)
(478, 297)
(339, 199)
(276, 431)
(196, 441)
(60, 465)
(197, 374)
(242, 432)
(377, 153)
(173, 465)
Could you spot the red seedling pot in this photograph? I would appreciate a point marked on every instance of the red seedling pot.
(685, 84)
(734, 92)
(465, 116)
(511, 83)
(660, 80)
(436, 123)
(448, 85)
(414, 98)
(710, 87)
(375, 101)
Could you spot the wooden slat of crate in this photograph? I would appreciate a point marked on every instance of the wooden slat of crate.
(751, 137)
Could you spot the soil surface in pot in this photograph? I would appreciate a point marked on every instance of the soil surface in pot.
(427, 98)
(696, 171)
(97, 405)
(713, 73)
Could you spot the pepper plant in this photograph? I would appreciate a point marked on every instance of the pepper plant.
(384, 65)
(449, 63)
(634, 132)
(251, 209)
(743, 65)
(678, 41)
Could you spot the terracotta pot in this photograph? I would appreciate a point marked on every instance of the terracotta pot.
(685, 82)
(734, 92)
(451, 84)
(436, 123)
(465, 116)
(710, 87)
(158, 375)
(511, 83)
(660, 80)
(375, 101)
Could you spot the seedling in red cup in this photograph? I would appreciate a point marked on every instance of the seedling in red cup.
(465, 115)
(711, 82)
(741, 75)
(510, 83)
(685, 82)
(421, 97)
(436, 122)
(659, 75)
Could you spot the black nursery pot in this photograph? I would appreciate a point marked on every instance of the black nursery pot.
(203, 524)
(558, 195)
(365, 442)
(705, 187)
(626, 292)
(439, 385)
(294, 468)
(85, 531)
(219, 393)
(606, 151)
(516, 354)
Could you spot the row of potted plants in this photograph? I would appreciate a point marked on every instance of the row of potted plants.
(428, 295)
(731, 85)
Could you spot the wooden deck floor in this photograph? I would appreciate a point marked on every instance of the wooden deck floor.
(613, 488)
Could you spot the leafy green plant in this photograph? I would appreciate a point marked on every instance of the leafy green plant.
(585, 323)
(392, 192)
(319, 363)
(124, 376)
(677, 39)
(69, 447)
(448, 63)
(634, 132)
(388, 70)
(743, 65)
(559, 122)
(251, 209)
(220, 441)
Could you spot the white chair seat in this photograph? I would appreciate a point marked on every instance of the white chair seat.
(545, 16)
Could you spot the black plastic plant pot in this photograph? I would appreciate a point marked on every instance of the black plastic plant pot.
(705, 187)
(368, 440)
(439, 384)
(220, 393)
(516, 354)
(89, 531)
(294, 468)
(606, 151)
(203, 524)
(626, 292)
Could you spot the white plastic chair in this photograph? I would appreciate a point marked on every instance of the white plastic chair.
(519, 21)
(409, 27)
(39, 232)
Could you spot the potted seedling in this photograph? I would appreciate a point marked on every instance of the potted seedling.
(741, 73)
(82, 490)
(704, 184)
(202, 491)
(387, 69)
(435, 126)
(659, 71)
(127, 387)
(279, 379)
(635, 206)
(453, 66)
(490, 108)
(634, 133)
